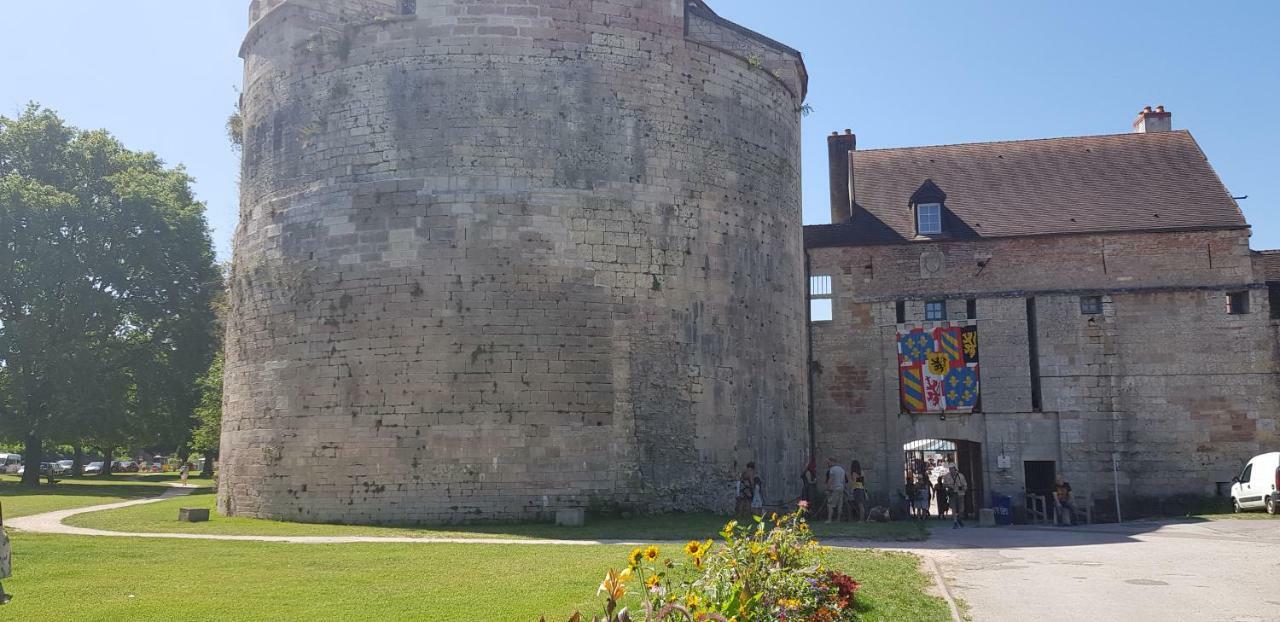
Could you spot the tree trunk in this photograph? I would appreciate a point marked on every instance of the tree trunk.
(209, 457)
(106, 460)
(77, 461)
(32, 455)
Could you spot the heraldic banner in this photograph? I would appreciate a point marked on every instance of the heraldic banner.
(938, 367)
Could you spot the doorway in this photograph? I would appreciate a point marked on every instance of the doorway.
(929, 458)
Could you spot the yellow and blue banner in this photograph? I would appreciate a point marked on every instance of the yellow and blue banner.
(938, 367)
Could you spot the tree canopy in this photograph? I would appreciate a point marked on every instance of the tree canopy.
(106, 319)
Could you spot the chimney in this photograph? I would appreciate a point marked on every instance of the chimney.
(1149, 121)
(839, 152)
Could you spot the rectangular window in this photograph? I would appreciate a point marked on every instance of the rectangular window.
(1091, 305)
(1238, 303)
(935, 310)
(1273, 297)
(900, 308)
(408, 7)
(971, 308)
(821, 307)
(929, 218)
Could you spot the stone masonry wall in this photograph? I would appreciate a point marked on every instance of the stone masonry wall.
(504, 257)
(1182, 390)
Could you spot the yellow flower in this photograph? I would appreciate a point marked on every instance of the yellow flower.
(634, 557)
(651, 553)
(788, 603)
(691, 601)
(614, 584)
(652, 582)
(692, 548)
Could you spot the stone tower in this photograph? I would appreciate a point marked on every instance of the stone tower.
(498, 258)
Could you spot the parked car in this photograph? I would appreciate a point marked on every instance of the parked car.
(93, 468)
(10, 463)
(124, 466)
(45, 469)
(1258, 486)
(62, 467)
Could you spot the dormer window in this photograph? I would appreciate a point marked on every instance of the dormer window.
(928, 204)
(929, 219)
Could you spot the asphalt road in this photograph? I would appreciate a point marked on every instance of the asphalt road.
(1224, 570)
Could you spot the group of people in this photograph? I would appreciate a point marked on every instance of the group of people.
(839, 490)
(927, 481)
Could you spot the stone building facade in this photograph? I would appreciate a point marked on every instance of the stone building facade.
(500, 258)
(1125, 333)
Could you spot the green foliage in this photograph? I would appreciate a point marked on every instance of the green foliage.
(105, 305)
(208, 431)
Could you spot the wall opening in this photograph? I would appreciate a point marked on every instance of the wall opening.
(1033, 355)
(928, 460)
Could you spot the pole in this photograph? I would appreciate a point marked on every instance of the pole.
(1115, 480)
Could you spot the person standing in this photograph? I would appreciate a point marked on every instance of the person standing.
(859, 491)
(757, 495)
(809, 483)
(1064, 511)
(836, 480)
(184, 472)
(942, 494)
(6, 561)
(746, 491)
(923, 492)
(959, 486)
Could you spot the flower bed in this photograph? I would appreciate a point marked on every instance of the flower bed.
(762, 572)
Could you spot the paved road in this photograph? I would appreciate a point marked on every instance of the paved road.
(1226, 570)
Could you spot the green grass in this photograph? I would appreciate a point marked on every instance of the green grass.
(69, 578)
(161, 517)
(69, 493)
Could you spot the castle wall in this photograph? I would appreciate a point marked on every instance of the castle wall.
(1182, 391)
(501, 258)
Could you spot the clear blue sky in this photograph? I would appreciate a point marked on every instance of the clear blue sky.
(161, 75)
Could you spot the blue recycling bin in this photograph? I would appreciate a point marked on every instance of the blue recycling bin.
(1003, 507)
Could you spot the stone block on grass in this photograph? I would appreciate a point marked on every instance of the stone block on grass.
(571, 518)
(193, 515)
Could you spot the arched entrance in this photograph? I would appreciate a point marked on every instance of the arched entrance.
(927, 459)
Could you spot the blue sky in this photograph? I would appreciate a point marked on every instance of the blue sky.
(161, 75)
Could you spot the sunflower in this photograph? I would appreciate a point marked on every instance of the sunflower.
(652, 582)
(693, 548)
(635, 556)
(651, 553)
(692, 602)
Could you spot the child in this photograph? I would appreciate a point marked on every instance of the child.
(5, 565)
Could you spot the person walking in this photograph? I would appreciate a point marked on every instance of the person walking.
(941, 493)
(184, 472)
(1064, 511)
(836, 480)
(923, 492)
(6, 561)
(959, 486)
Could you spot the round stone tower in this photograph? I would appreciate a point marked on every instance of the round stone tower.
(501, 258)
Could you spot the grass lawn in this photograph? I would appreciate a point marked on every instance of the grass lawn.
(162, 517)
(69, 578)
(68, 493)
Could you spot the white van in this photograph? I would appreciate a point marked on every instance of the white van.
(1258, 485)
(9, 463)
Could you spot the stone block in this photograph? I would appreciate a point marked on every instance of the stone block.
(571, 517)
(193, 515)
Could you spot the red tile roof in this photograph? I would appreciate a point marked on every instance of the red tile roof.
(1088, 184)
(1269, 261)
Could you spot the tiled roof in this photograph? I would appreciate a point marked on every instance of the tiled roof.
(1270, 263)
(1121, 182)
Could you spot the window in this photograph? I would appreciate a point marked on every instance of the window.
(935, 310)
(1091, 305)
(929, 218)
(971, 308)
(820, 300)
(408, 7)
(1273, 297)
(1247, 474)
(900, 308)
(1238, 303)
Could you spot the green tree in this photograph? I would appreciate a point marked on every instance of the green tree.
(105, 299)
(208, 433)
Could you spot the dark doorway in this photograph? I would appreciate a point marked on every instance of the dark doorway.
(923, 456)
(969, 462)
(1039, 478)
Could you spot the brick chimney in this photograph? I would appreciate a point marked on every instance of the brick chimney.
(840, 148)
(1149, 121)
